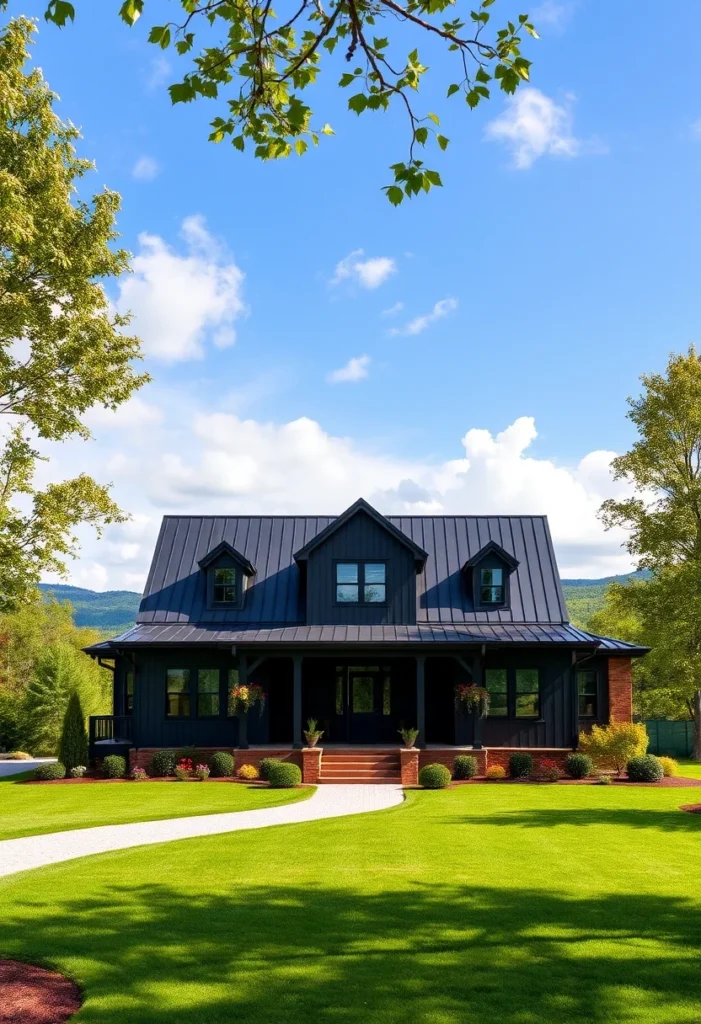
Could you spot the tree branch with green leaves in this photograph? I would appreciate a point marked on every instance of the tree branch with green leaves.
(262, 67)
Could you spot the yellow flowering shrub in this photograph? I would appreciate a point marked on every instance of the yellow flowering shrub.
(495, 771)
(669, 766)
(247, 771)
(613, 746)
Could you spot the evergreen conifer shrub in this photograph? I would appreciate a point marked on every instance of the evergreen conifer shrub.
(73, 747)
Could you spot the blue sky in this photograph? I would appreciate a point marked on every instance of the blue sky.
(559, 262)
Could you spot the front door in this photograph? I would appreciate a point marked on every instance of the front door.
(369, 703)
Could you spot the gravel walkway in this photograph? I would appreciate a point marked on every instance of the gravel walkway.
(328, 801)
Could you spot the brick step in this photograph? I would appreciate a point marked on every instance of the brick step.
(343, 773)
(367, 763)
(356, 780)
(352, 756)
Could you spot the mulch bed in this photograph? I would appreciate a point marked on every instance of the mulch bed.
(673, 782)
(99, 778)
(691, 808)
(33, 995)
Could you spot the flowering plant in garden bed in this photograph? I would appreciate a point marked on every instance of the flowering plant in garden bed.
(201, 772)
(243, 698)
(183, 769)
(138, 774)
(546, 771)
(248, 771)
(495, 771)
(471, 699)
(78, 772)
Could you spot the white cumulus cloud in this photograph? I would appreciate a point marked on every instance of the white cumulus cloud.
(178, 298)
(368, 273)
(419, 324)
(145, 169)
(355, 369)
(533, 125)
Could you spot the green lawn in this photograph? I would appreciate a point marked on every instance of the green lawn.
(30, 810)
(478, 905)
(691, 769)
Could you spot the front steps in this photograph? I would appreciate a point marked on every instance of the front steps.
(359, 767)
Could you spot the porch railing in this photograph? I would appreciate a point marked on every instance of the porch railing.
(110, 727)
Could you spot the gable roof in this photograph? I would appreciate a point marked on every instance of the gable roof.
(224, 548)
(361, 505)
(175, 592)
(492, 548)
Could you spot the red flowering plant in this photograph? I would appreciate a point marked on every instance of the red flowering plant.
(546, 770)
(472, 699)
(183, 769)
(243, 697)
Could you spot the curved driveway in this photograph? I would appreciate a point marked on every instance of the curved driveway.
(329, 801)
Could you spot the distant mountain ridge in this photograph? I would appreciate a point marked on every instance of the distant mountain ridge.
(113, 611)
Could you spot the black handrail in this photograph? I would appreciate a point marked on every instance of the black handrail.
(110, 727)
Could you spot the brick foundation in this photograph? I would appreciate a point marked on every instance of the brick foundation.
(447, 757)
(311, 765)
(409, 764)
(620, 690)
(501, 755)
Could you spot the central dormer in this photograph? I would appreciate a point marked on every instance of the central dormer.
(361, 570)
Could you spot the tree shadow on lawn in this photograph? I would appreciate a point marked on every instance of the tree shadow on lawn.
(543, 817)
(431, 953)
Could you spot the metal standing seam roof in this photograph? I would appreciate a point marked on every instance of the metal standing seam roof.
(175, 591)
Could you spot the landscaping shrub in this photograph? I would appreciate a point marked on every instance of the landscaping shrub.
(669, 767)
(50, 771)
(546, 771)
(163, 763)
(284, 775)
(221, 764)
(114, 766)
(138, 774)
(495, 771)
(17, 755)
(201, 772)
(78, 771)
(579, 766)
(520, 765)
(434, 776)
(612, 746)
(264, 767)
(183, 769)
(73, 746)
(604, 780)
(645, 769)
(465, 767)
(248, 771)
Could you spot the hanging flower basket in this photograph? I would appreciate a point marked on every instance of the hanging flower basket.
(243, 698)
(471, 699)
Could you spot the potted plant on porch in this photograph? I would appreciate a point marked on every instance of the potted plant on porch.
(472, 699)
(312, 735)
(409, 737)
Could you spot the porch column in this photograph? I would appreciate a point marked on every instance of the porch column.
(297, 702)
(478, 679)
(243, 719)
(421, 699)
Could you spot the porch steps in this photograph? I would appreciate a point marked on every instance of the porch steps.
(354, 766)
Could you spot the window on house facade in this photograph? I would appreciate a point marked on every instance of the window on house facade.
(178, 692)
(361, 583)
(129, 692)
(527, 692)
(208, 692)
(492, 586)
(224, 586)
(588, 690)
(496, 682)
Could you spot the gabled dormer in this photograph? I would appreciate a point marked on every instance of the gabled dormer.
(487, 577)
(360, 570)
(227, 573)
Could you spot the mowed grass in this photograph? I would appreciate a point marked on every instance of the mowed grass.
(32, 810)
(477, 905)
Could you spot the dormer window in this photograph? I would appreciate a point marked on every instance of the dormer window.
(492, 586)
(361, 583)
(224, 587)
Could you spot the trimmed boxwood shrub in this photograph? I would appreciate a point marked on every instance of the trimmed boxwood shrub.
(434, 776)
(265, 765)
(114, 766)
(579, 766)
(50, 771)
(163, 763)
(465, 767)
(221, 764)
(645, 769)
(284, 775)
(520, 765)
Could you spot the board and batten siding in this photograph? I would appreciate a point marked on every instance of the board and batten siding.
(361, 539)
(557, 724)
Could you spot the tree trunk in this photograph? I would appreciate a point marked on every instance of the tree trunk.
(697, 725)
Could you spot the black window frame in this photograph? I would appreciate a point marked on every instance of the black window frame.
(507, 710)
(185, 693)
(129, 675)
(512, 693)
(525, 693)
(199, 693)
(225, 602)
(595, 693)
(361, 563)
(501, 587)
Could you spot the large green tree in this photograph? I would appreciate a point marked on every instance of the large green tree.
(61, 349)
(663, 517)
(262, 65)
